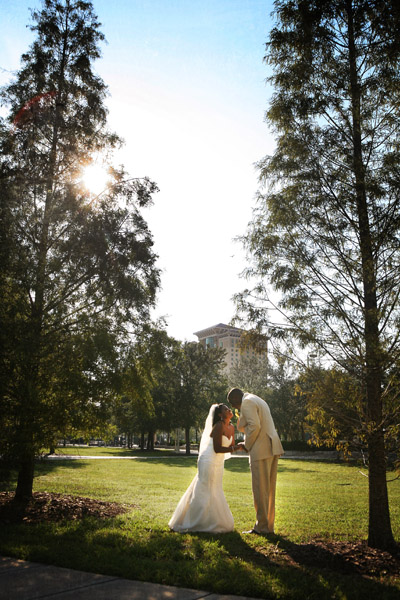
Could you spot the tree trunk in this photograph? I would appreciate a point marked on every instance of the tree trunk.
(379, 531)
(26, 471)
(150, 440)
(177, 440)
(187, 440)
(24, 490)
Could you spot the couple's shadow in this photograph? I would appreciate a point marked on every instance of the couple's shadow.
(276, 558)
(278, 548)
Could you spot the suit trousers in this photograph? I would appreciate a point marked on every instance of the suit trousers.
(263, 478)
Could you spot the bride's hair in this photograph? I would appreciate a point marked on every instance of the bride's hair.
(217, 413)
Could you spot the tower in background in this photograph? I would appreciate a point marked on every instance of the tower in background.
(228, 338)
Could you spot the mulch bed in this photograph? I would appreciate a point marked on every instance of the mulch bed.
(346, 557)
(57, 507)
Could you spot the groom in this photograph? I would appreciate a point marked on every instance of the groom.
(264, 447)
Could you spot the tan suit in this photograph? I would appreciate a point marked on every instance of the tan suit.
(264, 447)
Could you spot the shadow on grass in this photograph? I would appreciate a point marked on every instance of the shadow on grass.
(241, 465)
(118, 452)
(237, 464)
(162, 458)
(318, 554)
(9, 475)
(290, 469)
(265, 567)
(45, 466)
(306, 571)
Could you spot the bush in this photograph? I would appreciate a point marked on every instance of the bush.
(302, 446)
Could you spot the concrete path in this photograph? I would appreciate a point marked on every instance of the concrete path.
(21, 580)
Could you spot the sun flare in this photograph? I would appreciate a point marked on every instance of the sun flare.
(95, 178)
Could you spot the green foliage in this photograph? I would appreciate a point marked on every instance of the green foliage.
(200, 383)
(168, 384)
(334, 405)
(276, 384)
(336, 411)
(190, 382)
(251, 374)
(148, 365)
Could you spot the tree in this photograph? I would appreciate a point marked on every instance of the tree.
(251, 374)
(147, 388)
(334, 401)
(326, 229)
(277, 385)
(168, 384)
(79, 271)
(198, 384)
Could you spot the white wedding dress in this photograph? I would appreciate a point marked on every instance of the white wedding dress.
(203, 506)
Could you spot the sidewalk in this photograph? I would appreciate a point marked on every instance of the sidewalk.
(21, 580)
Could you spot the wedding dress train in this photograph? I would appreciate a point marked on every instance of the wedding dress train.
(203, 506)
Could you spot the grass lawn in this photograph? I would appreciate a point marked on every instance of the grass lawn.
(315, 501)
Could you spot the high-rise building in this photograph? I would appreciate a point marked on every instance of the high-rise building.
(228, 338)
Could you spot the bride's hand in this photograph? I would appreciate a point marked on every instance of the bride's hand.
(240, 446)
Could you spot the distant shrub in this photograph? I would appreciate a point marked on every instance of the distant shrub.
(301, 446)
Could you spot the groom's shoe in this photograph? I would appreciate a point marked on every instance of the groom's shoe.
(258, 532)
(252, 531)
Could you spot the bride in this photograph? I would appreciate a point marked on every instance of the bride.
(203, 506)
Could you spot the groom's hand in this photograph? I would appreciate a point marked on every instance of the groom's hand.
(241, 446)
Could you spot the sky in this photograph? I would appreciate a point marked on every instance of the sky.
(188, 94)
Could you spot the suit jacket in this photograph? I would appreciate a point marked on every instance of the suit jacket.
(261, 438)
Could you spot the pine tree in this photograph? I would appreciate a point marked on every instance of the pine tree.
(326, 230)
(79, 271)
